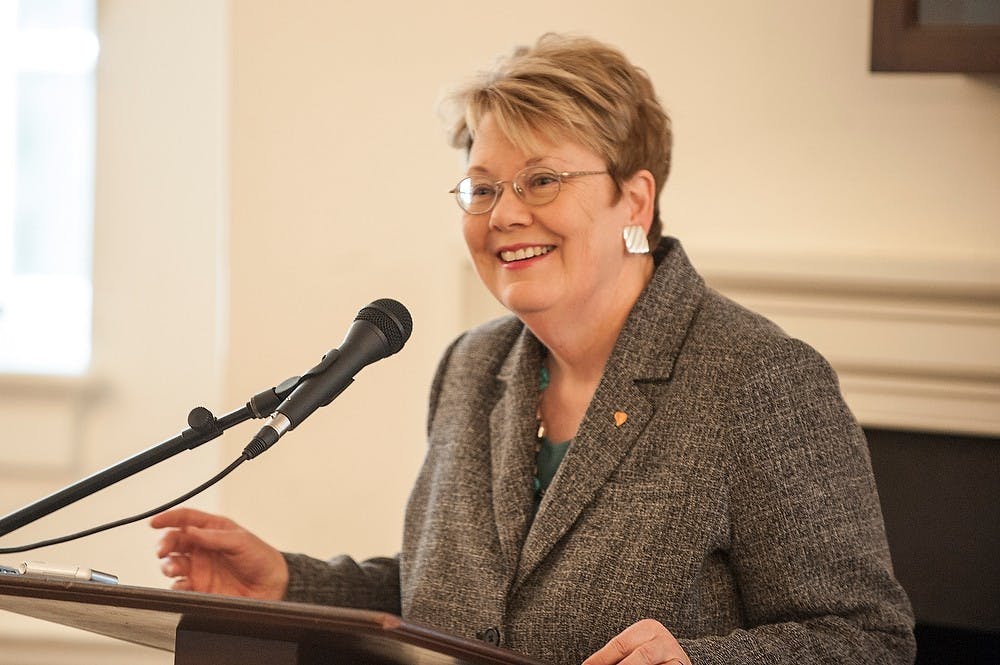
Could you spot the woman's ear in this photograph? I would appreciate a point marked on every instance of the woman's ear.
(639, 193)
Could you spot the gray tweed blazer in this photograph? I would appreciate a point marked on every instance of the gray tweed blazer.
(735, 504)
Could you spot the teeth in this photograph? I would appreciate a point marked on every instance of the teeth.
(525, 253)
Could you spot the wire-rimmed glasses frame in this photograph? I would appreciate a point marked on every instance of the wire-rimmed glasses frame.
(535, 185)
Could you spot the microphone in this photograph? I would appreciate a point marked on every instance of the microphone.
(379, 330)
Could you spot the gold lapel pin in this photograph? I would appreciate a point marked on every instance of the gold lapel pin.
(620, 418)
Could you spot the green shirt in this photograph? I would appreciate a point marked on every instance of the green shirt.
(550, 455)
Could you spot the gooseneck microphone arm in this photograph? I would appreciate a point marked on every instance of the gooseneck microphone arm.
(202, 428)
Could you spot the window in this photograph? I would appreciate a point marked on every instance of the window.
(48, 56)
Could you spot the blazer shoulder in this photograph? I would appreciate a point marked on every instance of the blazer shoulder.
(474, 356)
(748, 351)
(746, 333)
(483, 349)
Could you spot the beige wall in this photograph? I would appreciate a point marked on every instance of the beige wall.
(268, 168)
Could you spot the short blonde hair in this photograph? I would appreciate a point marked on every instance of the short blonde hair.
(580, 89)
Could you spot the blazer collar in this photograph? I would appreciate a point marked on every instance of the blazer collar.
(654, 332)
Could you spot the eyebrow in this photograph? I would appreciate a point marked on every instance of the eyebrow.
(482, 170)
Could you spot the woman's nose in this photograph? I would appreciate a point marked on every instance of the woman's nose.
(509, 211)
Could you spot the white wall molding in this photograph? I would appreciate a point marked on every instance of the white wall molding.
(42, 416)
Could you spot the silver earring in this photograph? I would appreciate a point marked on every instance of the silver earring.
(635, 240)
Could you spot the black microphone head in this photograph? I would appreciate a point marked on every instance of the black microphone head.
(391, 318)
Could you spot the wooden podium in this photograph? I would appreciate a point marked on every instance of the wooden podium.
(204, 629)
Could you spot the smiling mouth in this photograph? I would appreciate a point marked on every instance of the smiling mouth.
(509, 256)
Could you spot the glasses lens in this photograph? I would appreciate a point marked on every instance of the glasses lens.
(475, 195)
(538, 185)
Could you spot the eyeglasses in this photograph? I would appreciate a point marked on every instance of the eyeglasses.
(535, 185)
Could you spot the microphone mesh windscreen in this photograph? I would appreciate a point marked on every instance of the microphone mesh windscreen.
(392, 318)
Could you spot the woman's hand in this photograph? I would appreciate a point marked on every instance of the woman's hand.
(643, 643)
(212, 554)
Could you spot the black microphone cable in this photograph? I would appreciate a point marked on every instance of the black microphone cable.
(247, 454)
(129, 520)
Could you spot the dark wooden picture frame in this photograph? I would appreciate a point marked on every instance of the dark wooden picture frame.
(901, 43)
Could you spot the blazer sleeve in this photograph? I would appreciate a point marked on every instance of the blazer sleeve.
(369, 585)
(808, 543)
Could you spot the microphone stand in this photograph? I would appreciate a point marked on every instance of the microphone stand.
(202, 428)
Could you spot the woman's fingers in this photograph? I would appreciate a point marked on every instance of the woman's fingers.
(169, 543)
(642, 643)
(182, 541)
(183, 517)
(210, 553)
(182, 584)
(189, 539)
(175, 566)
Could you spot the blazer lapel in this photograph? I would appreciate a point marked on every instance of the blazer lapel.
(512, 436)
(600, 446)
(644, 353)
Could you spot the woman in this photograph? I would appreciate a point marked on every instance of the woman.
(714, 502)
